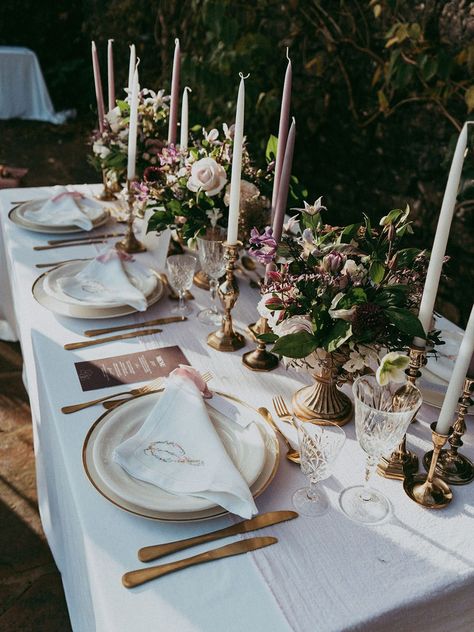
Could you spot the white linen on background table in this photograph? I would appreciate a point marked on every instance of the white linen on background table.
(23, 91)
(325, 574)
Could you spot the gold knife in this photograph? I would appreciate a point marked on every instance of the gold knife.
(149, 553)
(69, 245)
(55, 242)
(147, 323)
(136, 578)
(99, 341)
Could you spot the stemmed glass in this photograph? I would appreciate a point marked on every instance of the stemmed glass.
(382, 416)
(180, 273)
(211, 257)
(319, 448)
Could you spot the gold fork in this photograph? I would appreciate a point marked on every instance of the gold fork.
(281, 409)
(154, 385)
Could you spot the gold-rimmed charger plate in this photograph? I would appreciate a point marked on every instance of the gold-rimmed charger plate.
(16, 216)
(262, 481)
(88, 312)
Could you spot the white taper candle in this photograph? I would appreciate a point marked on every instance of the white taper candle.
(455, 387)
(236, 172)
(131, 66)
(441, 237)
(183, 141)
(132, 129)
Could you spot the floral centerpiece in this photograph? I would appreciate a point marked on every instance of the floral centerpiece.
(189, 190)
(339, 299)
(109, 148)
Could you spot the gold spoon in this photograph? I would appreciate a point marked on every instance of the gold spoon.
(291, 454)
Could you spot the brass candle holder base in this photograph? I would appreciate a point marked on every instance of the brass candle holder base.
(260, 359)
(403, 462)
(130, 243)
(201, 280)
(453, 467)
(425, 489)
(225, 338)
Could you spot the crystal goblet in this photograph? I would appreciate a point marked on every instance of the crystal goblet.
(319, 449)
(180, 274)
(382, 416)
(211, 256)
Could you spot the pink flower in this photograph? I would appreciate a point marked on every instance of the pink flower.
(264, 246)
(191, 374)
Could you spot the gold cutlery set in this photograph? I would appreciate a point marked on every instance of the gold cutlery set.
(149, 553)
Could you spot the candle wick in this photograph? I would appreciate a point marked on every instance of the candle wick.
(288, 53)
(241, 75)
(293, 121)
(176, 41)
(187, 88)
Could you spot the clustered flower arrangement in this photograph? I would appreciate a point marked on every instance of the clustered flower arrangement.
(340, 298)
(189, 190)
(110, 148)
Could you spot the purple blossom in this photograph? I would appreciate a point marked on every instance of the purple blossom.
(334, 261)
(141, 191)
(264, 246)
(169, 155)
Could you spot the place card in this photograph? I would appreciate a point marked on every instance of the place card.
(129, 368)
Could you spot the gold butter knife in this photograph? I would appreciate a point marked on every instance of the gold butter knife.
(147, 323)
(149, 553)
(55, 242)
(99, 341)
(136, 578)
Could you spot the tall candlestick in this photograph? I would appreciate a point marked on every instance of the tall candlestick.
(282, 132)
(110, 73)
(98, 88)
(441, 237)
(174, 103)
(282, 198)
(132, 128)
(183, 142)
(234, 202)
(131, 67)
(455, 386)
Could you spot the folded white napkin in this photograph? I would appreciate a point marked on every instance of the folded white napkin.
(66, 208)
(179, 450)
(112, 277)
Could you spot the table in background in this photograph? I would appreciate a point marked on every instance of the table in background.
(325, 574)
(23, 91)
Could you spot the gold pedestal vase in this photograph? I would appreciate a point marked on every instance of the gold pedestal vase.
(323, 403)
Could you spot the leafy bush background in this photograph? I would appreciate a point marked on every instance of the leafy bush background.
(380, 89)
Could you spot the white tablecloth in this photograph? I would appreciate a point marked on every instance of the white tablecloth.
(23, 91)
(326, 574)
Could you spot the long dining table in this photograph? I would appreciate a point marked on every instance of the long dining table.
(412, 572)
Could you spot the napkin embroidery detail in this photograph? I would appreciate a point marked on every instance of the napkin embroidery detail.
(170, 452)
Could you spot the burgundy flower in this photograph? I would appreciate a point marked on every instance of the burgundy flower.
(152, 174)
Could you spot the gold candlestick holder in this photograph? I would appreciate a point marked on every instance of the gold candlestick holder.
(403, 462)
(225, 338)
(260, 359)
(425, 489)
(130, 243)
(452, 467)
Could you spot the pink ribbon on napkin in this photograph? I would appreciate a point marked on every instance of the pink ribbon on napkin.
(113, 252)
(187, 371)
(73, 194)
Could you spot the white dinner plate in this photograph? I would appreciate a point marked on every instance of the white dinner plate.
(433, 391)
(52, 285)
(442, 364)
(17, 217)
(254, 450)
(80, 311)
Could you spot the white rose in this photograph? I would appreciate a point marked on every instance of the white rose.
(248, 190)
(115, 119)
(100, 150)
(207, 175)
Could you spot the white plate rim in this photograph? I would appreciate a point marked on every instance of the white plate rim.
(20, 221)
(273, 461)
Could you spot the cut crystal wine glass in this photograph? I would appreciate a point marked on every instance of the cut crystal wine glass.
(382, 416)
(319, 448)
(211, 256)
(180, 274)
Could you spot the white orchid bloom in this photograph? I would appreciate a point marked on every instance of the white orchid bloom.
(343, 314)
(312, 209)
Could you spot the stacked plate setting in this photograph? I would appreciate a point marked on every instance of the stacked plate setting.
(98, 218)
(254, 451)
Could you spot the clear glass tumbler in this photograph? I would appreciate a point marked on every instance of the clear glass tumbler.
(180, 275)
(382, 416)
(211, 256)
(319, 448)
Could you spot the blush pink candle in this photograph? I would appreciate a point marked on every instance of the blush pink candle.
(174, 103)
(98, 87)
(282, 132)
(282, 199)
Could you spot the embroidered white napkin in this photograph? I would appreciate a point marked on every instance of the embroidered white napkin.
(66, 208)
(112, 277)
(178, 449)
